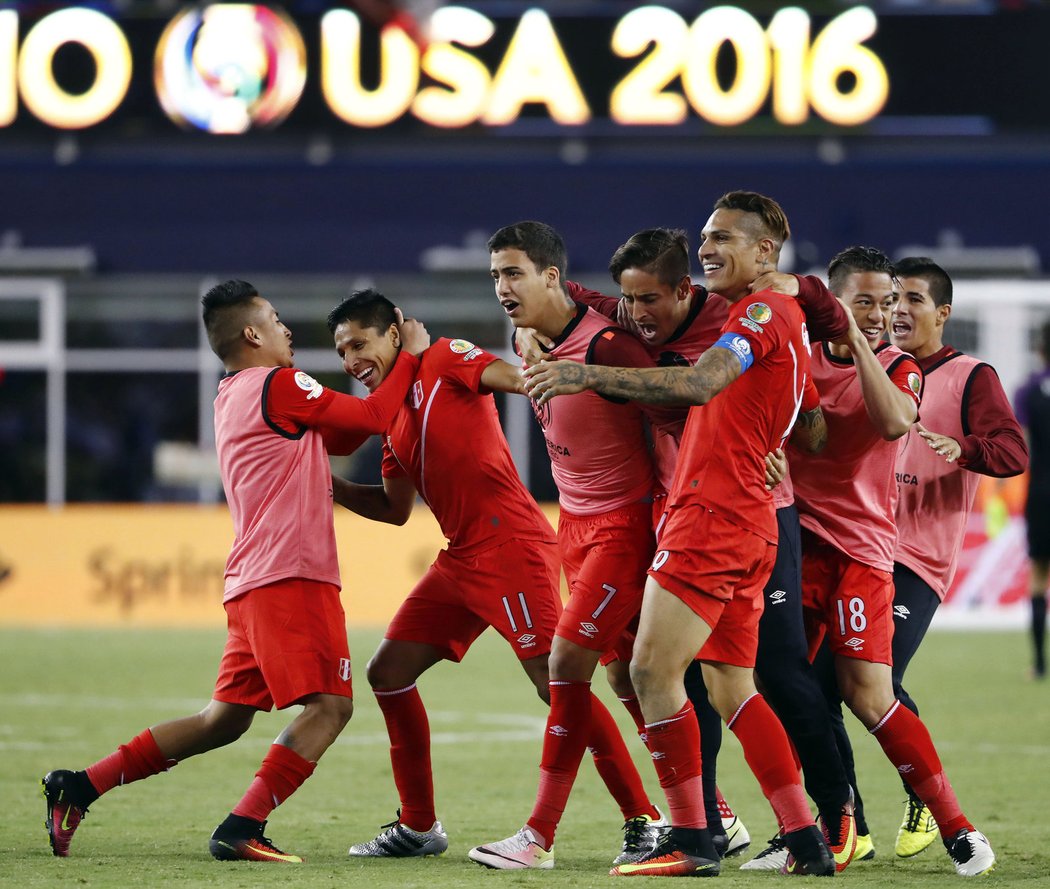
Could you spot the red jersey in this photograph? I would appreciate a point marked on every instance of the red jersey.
(936, 496)
(271, 424)
(447, 438)
(721, 464)
(847, 493)
(599, 453)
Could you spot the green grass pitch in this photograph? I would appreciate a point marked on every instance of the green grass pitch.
(69, 697)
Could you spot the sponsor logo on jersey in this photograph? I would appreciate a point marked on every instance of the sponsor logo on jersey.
(856, 643)
(906, 478)
(344, 669)
(778, 597)
(588, 629)
(308, 384)
(461, 346)
(760, 313)
(416, 395)
(901, 611)
(558, 730)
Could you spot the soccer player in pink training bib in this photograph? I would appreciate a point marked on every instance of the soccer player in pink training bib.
(286, 642)
(870, 392)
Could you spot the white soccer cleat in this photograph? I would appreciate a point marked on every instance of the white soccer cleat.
(971, 853)
(774, 857)
(396, 840)
(519, 852)
(739, 838)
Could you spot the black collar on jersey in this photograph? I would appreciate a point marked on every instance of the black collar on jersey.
(699, 301)
(834, 359)
(581, 310)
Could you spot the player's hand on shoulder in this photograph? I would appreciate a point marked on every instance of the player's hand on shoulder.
(552, 378)
(625, 317)
(414, 336)
(781, 282)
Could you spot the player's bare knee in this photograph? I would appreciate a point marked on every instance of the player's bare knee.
(619, 675)
(224, 724)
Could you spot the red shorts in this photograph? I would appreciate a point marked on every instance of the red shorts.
(851, 601)
(513, 587)
(719, 570)
(604, 557)
(284, 641)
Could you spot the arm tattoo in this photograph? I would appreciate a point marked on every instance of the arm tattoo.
(811, 429)
(715, 370)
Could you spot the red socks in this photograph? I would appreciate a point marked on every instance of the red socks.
(139, 758)
(635, 709)
(768, 753)
(409, 731)
(675, 747)
(281, 774)
(907, 744)
(615, 765)
(566, 737)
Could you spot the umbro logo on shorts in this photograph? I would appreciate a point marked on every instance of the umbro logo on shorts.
(778, 597)
(528, 640)
(901, 611)
(588, 629)
(856, 643)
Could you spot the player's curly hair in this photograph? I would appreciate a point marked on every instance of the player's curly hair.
(662, 252)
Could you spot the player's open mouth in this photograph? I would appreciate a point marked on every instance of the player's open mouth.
(647, 330)
(508, 305)
(901, 329)
(365, 375)
(711, 267)
(872, 333)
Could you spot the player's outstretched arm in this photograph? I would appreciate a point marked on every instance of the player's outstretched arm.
(715, 370)
(500, 376)
(390, 502)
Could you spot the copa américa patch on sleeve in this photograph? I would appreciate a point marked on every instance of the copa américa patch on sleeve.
(755, 316)
(465, 348)
(308, 384)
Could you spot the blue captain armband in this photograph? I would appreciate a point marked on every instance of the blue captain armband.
(739, 346)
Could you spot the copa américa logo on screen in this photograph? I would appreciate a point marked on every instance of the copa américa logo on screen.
(226, 68)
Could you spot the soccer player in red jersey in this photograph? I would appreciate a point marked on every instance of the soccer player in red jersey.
(500, 569)
(286, 643)
(967, 430)
(601, 463)
(717, 546)
(847, 495)
(678, 321)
